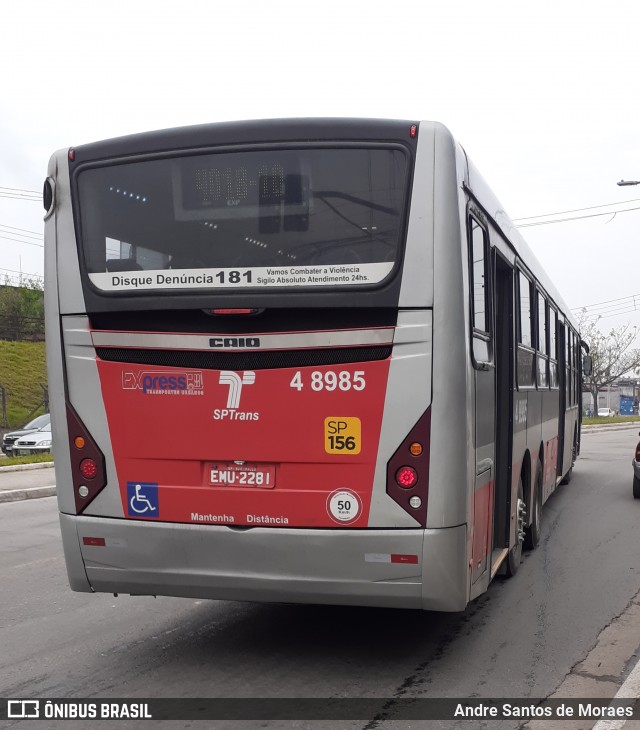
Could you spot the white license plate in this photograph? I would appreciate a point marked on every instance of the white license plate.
(262, 476)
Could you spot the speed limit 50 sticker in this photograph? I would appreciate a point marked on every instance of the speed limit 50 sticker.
(344, 506)
(342, 435)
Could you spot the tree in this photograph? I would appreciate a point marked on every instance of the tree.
(22, 311)
(612, 354)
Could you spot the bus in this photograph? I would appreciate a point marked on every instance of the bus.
(305, 360)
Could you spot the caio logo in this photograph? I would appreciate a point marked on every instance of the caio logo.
(234, 343)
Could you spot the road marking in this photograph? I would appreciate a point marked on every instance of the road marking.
(630, 690)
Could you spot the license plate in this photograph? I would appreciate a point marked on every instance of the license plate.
(262, 476)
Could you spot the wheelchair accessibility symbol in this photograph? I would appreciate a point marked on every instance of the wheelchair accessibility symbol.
(142, 499)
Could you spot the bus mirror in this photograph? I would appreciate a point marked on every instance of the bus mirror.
(587, 365)
(48, 197)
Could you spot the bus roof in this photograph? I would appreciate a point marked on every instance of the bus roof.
(249, 132)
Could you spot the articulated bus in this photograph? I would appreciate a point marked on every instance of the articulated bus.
(304, 360)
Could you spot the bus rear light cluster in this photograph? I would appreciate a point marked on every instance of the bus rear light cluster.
(408, 470)
(88, 470)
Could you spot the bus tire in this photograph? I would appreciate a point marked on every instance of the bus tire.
(567, 477)
(636, 488)
(514, 557)
(532, 533)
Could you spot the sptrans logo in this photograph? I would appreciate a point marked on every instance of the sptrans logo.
(161, 382)
(235, 383)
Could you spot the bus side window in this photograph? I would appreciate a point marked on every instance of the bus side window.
(526, 354)
(479, 285)
(553, 347)
(543, 334)
(576, 368)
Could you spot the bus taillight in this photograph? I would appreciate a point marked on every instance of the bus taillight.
(88, 468)
(408, 470)
(87, 462)
(406, 477)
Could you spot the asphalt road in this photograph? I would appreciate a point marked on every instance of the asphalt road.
(521, 639)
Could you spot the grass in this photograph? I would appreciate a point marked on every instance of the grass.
(22, 372)
(595, 421)
(34, 459)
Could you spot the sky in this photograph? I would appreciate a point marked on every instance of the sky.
(544, 97)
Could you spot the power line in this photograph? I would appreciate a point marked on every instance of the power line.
(575, 218)
(612, 313)
(22, 273)
(17, 240)
(8, 193)
(21, 197)
(20, 190)
(611, 308)
(576, 210)
(607, 301)
(20, 194)
(596, 317)
(13, 228)
(16, 232)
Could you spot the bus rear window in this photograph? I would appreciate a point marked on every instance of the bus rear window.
(320, 217)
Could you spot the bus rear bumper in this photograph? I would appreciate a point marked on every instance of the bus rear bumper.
(348, 567)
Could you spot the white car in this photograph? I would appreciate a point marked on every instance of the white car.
(11, 437)
(37, 442)
(606, 412)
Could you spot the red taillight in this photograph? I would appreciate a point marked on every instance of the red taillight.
(88, 468)
(406, 477)
(413, 131)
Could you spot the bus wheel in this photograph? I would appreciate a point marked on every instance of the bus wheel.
(532, 533)
(567, 477)
(514, 558)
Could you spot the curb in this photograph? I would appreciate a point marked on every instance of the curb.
(611, 427)
(18, 495)
(26, 467)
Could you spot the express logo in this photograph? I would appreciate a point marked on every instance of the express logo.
(163, 383)
(235, 383)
